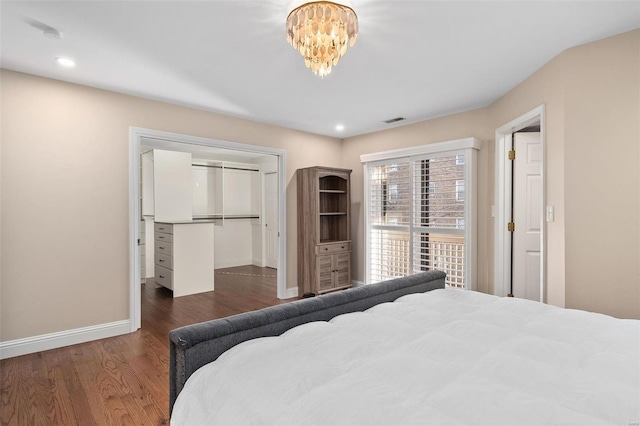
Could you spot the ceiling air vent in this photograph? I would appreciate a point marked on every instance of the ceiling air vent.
(394, 120)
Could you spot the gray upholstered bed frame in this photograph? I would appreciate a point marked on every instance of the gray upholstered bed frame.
(195, 345)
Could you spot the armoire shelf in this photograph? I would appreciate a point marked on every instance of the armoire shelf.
(324, 240)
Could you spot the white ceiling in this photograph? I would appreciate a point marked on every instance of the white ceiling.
(412, 59)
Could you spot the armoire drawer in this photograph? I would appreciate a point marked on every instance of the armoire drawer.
(164, 260)
(333, 248)
(164, 277)
(163, 247)
(165, 228)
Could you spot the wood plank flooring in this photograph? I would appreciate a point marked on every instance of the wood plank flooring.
(123, 380)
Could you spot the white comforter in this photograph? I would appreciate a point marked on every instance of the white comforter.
(439, 358)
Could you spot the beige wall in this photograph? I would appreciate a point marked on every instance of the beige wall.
(456, 126)
(544, 87)
(592, 102)
(602, 195)
(64, 177)
(65, 207)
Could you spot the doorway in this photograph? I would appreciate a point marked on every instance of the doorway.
(519, 243)
(165, 140)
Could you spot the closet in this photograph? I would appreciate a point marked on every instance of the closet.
(198, 208)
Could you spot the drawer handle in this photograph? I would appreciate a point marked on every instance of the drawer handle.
(161, 276)
(326, 248)
(162, 229)
(160, 260)
(160, 237)
(342, 247)
(161, 248)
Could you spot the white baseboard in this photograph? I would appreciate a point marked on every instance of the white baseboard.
(355, 283)
(258, 262)
(291, 292)
(60, 339)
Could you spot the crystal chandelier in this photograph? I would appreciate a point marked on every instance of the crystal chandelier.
(321, 31)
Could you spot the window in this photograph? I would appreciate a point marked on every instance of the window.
(460, 190)
(418, 213)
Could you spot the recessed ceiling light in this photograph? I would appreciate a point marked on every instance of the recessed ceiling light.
(340, 127)
(66, 62)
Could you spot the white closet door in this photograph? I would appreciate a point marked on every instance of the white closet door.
(527, 201)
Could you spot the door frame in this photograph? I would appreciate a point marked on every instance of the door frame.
(503, 186)
(264, 239)
(136, 135)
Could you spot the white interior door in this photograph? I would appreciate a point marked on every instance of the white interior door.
(527, 216)
(271, 219)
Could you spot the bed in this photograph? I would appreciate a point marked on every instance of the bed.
(433, 356)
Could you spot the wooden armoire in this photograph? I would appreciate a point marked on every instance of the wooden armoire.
(324, 228)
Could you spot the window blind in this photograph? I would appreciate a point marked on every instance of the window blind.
(417, 208)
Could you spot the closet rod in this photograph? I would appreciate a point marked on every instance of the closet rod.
(230, 168)
(217, 217)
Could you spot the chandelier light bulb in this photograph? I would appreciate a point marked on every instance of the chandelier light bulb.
(321, 31)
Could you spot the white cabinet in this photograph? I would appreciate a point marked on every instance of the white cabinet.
(167, 185)
(184, 257)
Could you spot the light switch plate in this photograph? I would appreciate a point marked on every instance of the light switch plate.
(550, 214)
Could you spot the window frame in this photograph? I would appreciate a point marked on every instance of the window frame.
(468, 148)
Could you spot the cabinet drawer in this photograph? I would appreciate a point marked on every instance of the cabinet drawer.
(165, 228)
(164, 277)
(164, 237)
(333, 248)
(164, 260)
(163, 247)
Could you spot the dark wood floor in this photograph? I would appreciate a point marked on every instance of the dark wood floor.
(123, 380)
